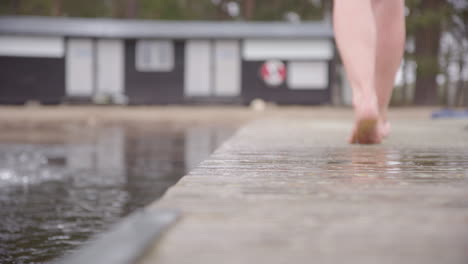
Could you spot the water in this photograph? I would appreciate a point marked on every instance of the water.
(60, 185)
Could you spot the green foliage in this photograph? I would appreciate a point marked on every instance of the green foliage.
(428, 65)
(426, 21)
(165, 9)
(161, 9)
(422, 15)
(82, 8)
(276, 9)
(85, 8)
(31, 7)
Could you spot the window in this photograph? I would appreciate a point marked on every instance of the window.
(307, 75)
(154, 55)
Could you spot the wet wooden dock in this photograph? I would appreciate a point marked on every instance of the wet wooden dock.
(290, 190)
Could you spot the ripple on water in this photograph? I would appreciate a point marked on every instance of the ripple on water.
(53, 197)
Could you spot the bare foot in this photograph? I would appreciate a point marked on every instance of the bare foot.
(366, 128)
(384, 129)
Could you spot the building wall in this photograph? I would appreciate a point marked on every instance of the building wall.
(23, 79)
(253, 87)
(154, 87)
(31, 68)
(155, 71)
(287, 71)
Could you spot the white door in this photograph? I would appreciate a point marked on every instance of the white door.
(110, 67)
(80, 68)
(227, 70)
(198, 68)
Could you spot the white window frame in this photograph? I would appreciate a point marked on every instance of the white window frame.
(148, 54)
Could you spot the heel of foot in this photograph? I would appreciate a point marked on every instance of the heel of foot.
(366, 132)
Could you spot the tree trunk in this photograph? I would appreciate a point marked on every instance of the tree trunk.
(447, 81)
(221, 13)
(119, 8)
(427, 40)
(57, 8)
(15, 7)
(132, 9)
(328, 11)
(461, 86)
(404, 85)
(427, 48)
(249, 9)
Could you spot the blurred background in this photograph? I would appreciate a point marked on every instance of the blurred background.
(68, 173)
(434, 72)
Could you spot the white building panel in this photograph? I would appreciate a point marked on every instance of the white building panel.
(31, 46)
(198, 68)
(80, 68)
(297, 49)
(228, 68)
(110, 67)
(303, 75)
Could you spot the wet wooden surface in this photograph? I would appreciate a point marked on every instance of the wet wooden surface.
(288, 189)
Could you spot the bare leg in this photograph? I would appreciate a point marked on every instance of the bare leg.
(390, 22)
(356, 36)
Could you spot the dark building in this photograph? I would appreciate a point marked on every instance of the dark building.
(160, 62)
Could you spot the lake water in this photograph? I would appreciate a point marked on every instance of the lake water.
(60, 185)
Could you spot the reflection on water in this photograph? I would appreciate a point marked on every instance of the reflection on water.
(54, 196)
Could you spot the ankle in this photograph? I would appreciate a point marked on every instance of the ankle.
(367, 98)
(367, 105)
